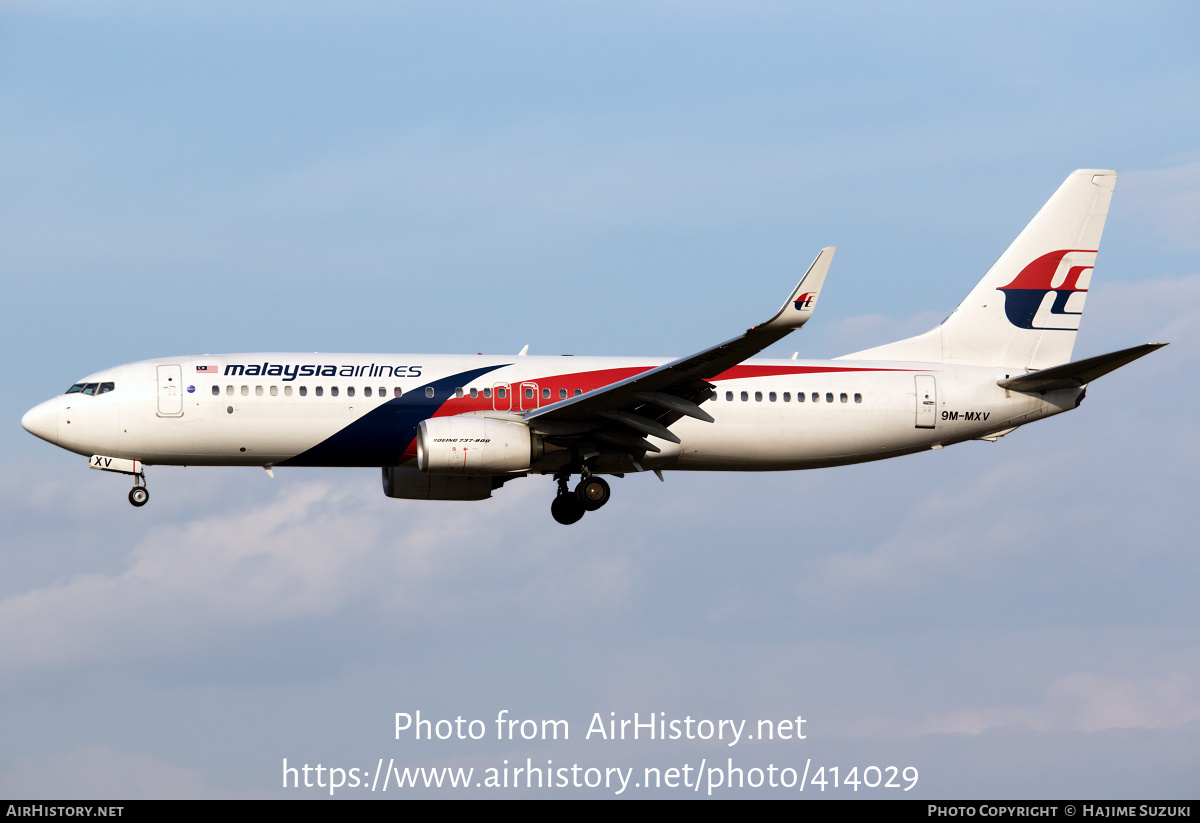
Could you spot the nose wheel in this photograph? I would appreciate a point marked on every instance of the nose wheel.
(139, 495)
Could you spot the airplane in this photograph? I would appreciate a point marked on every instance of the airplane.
(445, 427)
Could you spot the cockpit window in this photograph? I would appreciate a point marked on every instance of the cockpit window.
(90, 388)
(105, 388)
(78, 387)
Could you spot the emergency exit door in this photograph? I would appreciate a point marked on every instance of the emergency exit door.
(926, 401)
(170, 392)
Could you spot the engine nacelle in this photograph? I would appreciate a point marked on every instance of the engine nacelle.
(413, 484)
(470, 445)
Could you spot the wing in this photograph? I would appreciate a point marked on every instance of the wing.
(621, 413)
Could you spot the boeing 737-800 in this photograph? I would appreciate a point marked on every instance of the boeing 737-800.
(459, 427)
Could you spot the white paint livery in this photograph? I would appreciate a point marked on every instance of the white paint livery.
(458, 427)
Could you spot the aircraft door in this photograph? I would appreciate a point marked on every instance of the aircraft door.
(528, 398)
(170, 391)
(926, 401)
(502, 397)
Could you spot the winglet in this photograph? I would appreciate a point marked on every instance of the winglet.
(799, 307)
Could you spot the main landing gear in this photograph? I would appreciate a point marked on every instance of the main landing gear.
(570, 506)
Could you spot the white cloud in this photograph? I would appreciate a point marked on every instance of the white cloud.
(312, 550)
(103, 773)
(958, 528)
(1086, 702)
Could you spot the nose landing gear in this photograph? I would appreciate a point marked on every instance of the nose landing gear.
(139, 495)
(570, 506)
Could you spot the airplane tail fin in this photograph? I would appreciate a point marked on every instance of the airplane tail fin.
(1025, 311)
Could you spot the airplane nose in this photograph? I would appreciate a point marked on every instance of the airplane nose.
(42, 421)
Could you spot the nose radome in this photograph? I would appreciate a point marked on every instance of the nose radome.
(42, 421)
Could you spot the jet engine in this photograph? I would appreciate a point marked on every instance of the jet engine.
(413, 484)
(470, 445)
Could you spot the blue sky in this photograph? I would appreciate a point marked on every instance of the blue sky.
(1014, 619)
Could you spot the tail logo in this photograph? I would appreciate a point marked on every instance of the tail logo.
(805, 301)
(1025, 301)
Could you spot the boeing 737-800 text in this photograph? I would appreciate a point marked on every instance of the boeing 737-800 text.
(459, 427)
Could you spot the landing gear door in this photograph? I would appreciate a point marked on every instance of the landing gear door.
(926, 401)
(170, 391)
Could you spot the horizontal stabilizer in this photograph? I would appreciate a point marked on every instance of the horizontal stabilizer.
(1077, 374)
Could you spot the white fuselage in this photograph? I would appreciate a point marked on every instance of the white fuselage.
(363, 410)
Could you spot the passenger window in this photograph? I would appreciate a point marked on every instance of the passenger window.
(799, 397)
(487, 393)
(216, 391)
(383, 391)
(857, 397)
(458, 393)
(274, 391)
(304, 391)
(816, 397)
(545, 394)
(229, 390)
(501, 393)
(349, 391)
(844, 398)
(758, 396)
(333, 391)
(728, 395)
(745, 396)
(528, 394)
(105, 388)
(429, 391)
(78, 387)
(474, 393)
(578, 392)
(397, 392)
(366, 391)
(787, 397)
(562, 394)
(828, 397)
(258, 391)
(287, 391)
(90, 388)
(320, 391)
(245, 391)
(771, 397)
